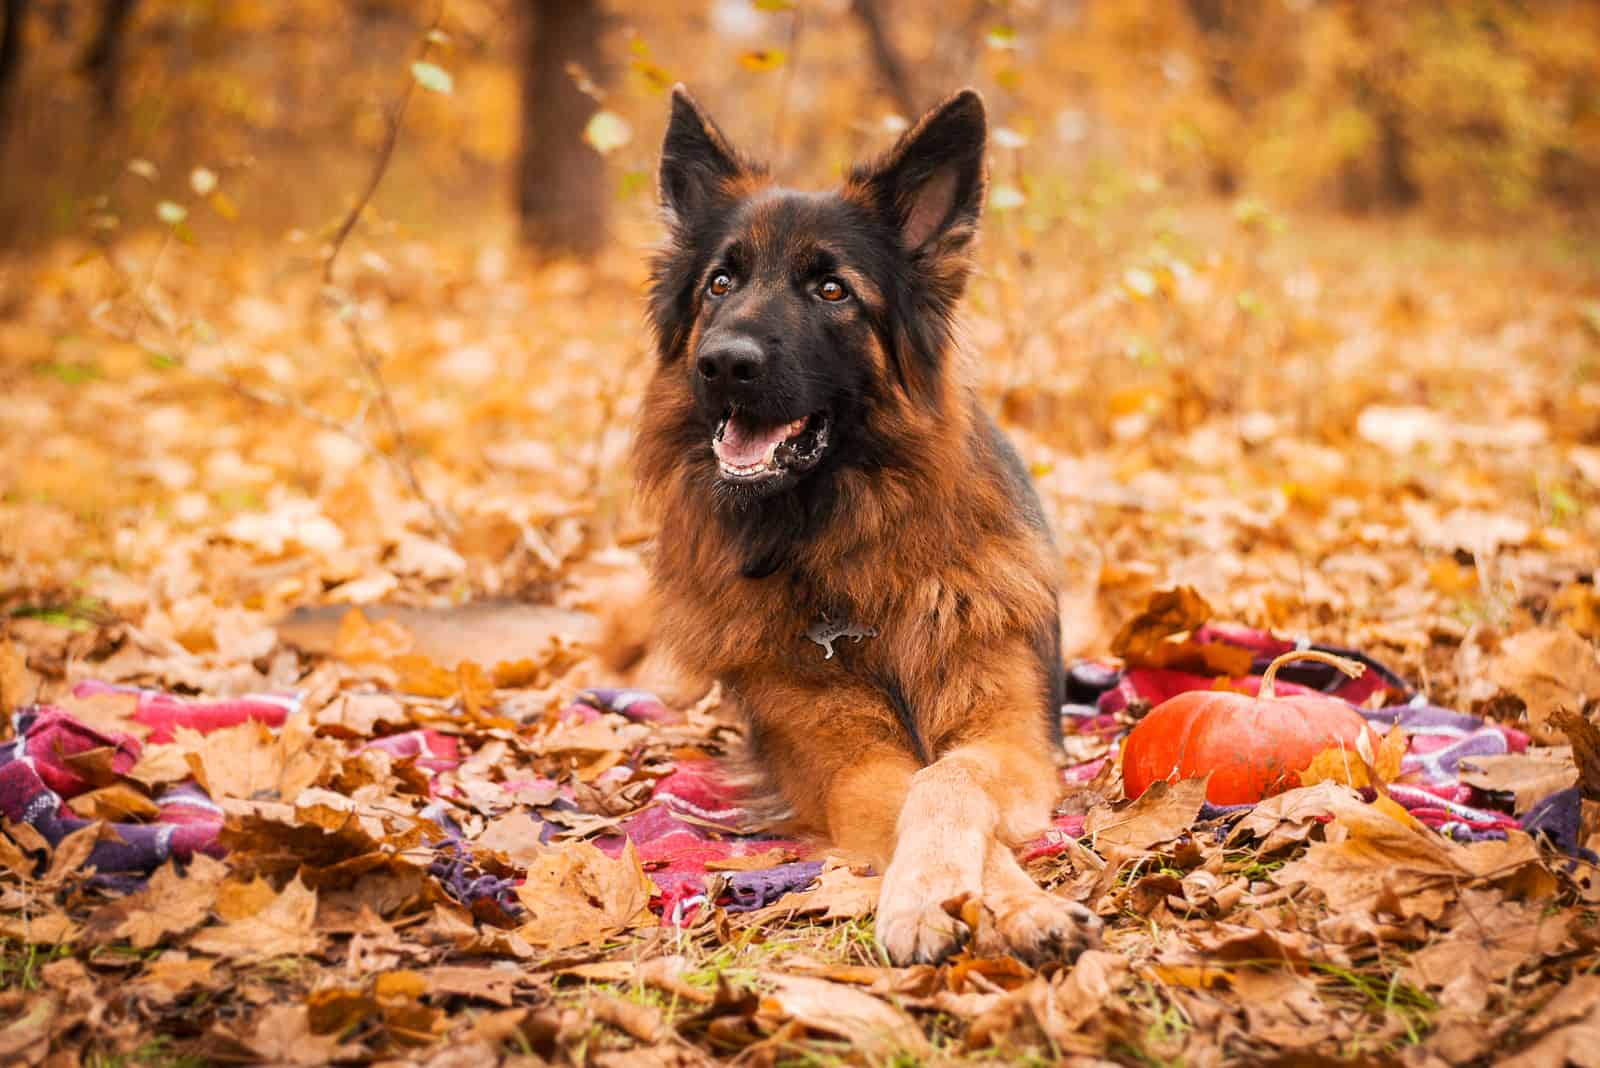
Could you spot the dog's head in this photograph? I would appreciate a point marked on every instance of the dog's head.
(790, 318)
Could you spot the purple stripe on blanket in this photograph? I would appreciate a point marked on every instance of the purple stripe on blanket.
(1420, 719)
(1457, 831)
(1444, 765)
(461, 878)
(637, 705)
(1559, 818)
(130, 847)
(752, 890)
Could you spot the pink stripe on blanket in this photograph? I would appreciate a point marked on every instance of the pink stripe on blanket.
(433, 750)
(55, 735)
(164, 714)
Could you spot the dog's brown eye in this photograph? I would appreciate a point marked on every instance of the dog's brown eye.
(720, 284)
(832, 291)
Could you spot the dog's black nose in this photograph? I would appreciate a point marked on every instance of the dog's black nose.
(730, 362)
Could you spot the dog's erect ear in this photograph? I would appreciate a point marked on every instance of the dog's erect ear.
(696, 159)
(931, 183)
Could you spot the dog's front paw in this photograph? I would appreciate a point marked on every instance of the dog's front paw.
(919, 933)
(918, 908)
(1039, 926)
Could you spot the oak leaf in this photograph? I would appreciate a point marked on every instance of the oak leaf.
(282, 929)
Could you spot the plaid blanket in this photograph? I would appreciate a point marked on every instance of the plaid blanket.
(692, 827)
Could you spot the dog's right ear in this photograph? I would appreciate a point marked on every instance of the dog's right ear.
(697, 163)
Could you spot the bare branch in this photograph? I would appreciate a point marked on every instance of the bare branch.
(404, 460)
(380, 165)
(401, 461)
(372, 363)
(174, 352)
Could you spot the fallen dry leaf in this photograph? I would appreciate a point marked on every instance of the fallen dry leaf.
(1160, 814)
(1578, 606)
(769, 858)
(118, 802)
(1353, 768)
(869, 1024)
(1530, 776)
(1548, 669)
(172, 975)
(643, 1022)
(479, 982)
(1568, 1026)
(1585, 738)
(1379, 852)
(575, 894)
(1491, 939)
(253, 762)
(359, 641)
(1055, 1009)
(1160, 637)
(283, 1035)
(17, 686)
(516, 834)
(1288, 818)
(284, 928)
(172, 903)
(43, 928)
(27, 1037)
(842, 891)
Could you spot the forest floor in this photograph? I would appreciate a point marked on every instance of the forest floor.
(1361, 434)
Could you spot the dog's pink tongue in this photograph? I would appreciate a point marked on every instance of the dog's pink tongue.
(742, 445)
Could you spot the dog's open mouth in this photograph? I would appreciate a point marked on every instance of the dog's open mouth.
(749, 452)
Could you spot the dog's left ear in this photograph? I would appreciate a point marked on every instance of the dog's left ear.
(696, 160)
(931, 183)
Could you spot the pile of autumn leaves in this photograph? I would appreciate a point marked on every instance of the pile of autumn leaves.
(1319, 923)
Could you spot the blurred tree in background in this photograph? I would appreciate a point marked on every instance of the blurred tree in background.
(1473, 112)
(11, 15)
(561, 180)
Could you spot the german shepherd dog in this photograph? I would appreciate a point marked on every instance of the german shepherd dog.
(847, 541)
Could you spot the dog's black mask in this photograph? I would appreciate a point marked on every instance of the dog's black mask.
(796, 315)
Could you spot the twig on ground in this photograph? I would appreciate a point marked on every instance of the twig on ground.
(173, 352)
(403, 461)
(348, 312)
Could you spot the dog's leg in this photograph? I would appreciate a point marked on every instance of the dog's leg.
(846, 783)
(864, 802)
(943, 836)
(959, 815)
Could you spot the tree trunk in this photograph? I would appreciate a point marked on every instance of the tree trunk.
(10, 57)
(102, 61)
(886, 58)
(562, 194)
(1213, 19)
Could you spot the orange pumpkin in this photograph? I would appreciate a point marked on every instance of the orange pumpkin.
(1252, 747)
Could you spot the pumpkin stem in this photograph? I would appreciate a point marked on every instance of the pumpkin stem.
(1350, 667)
